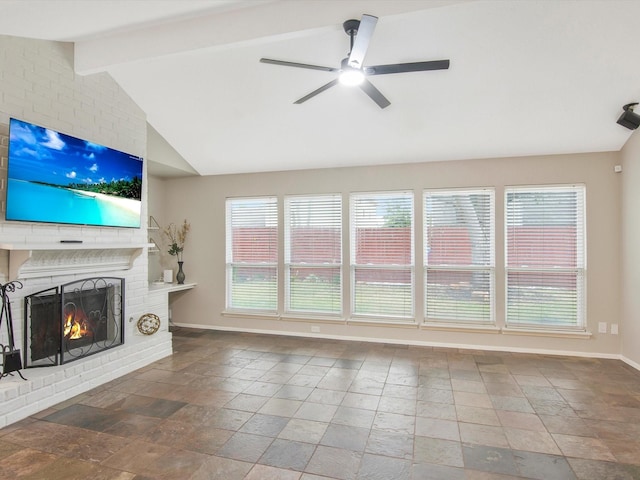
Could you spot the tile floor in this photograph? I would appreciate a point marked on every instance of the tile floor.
(243, 406)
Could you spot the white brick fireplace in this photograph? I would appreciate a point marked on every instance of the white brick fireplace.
(39, 85)
(39, 266)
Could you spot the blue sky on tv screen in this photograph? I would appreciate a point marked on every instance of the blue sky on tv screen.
(40, 154)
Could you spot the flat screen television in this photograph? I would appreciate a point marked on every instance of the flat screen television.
(57, 178)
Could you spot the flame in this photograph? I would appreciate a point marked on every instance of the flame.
(74, 328)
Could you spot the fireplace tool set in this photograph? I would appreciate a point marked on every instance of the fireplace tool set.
(11, 360)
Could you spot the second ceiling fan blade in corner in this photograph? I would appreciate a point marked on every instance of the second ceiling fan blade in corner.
(375, 94)
(407, 67)
(297, 65)
(317, 91)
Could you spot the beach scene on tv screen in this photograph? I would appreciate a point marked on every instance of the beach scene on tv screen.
(57, 178)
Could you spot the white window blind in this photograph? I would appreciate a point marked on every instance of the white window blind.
(459, 255)
(382, 259)
(313, 254)
(252, 253)
(545, 256)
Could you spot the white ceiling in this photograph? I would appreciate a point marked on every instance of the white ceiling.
(526, 78)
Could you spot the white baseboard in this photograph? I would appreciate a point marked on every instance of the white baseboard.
(630, 362)
(537, 351)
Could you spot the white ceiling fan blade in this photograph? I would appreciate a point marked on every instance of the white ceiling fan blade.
(363, 37)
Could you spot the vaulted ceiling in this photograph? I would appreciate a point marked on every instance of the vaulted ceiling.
(527, 77)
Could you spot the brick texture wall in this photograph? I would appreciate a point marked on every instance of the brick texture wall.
(38, 85)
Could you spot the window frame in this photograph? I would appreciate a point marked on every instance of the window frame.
(580, 270)
(355, 268)
(230, 264)
(490, 268)
(289, 264)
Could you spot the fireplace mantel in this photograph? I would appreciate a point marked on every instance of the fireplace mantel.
(34, 260)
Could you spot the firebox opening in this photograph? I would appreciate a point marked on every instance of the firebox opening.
(74, 320)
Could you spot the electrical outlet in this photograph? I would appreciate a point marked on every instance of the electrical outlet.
(602, 327)
(315, 329)
(614, 329)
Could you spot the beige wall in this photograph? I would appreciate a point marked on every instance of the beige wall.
(630, 241)
(156, 207)
(202, 199)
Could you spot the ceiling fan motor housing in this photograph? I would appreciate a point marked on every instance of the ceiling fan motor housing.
(351, 27)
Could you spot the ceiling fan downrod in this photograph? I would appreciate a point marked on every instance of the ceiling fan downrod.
(351, 29)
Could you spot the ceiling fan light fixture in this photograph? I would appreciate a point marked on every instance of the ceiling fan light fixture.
(351, 77)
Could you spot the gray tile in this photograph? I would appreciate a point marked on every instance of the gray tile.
(283, 407)
(378, 467)
(437, 451)
(513, 404)
(543, 467)
(245, 447)
(355, 417)
(360, 400)
(597, 470)
(391, 444)
(267, 425)
(435, 395)
(490, 459)
(393, 422)
(288, 454)
(264, 389)
(323, 396)
(334, 463)
(402, 406)
(228, 419)
(303, 430)
(437, 428)
(428, 471)
(345, 436)
(248, 403)
(348, 364)
(293, 392)
(316, 411)
(223, 468)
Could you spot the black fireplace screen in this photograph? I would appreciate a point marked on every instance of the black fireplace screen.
(72, 321)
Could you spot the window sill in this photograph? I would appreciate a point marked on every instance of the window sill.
(312, 318)
(581, 334)
(382, 323)
(250, 314)
(460, 327)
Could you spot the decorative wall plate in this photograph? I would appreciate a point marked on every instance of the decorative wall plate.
(148, 324)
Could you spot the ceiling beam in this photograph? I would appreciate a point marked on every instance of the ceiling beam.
(277, 19)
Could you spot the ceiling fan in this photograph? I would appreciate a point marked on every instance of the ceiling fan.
(352, 72)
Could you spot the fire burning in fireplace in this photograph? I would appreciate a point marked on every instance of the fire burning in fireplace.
(76, 325)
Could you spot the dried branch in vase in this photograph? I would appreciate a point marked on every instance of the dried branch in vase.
(177, 237)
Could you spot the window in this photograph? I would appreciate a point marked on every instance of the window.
(252, 254)
(313, 254)
(382, 260)
(458, 255)
(545, 256)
